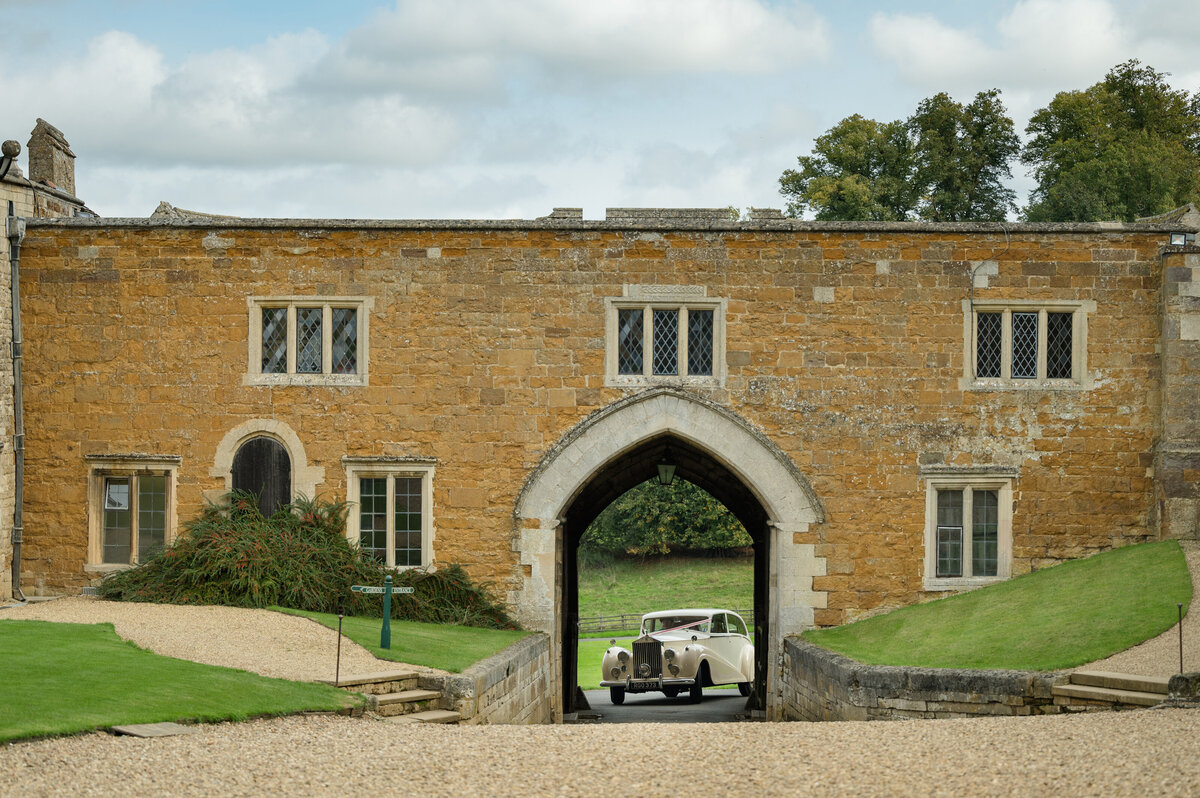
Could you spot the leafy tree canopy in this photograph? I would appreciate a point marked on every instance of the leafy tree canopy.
(656, 519)
(1129, 146)
(946, 162)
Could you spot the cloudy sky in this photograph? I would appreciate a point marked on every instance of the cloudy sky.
(507, 108)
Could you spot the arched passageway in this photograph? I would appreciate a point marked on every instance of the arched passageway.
(620, 446)
(632, 468)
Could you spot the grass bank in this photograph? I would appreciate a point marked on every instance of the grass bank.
(63, 678)
(1062, 617)
(449, 648)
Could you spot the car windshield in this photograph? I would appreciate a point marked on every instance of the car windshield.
(683, 623)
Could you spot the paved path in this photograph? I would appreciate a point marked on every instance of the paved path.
(718, 706)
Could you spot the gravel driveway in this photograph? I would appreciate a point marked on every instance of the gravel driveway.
(1146, 752)
(260, 641)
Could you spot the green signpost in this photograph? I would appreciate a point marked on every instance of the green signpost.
(385, 633)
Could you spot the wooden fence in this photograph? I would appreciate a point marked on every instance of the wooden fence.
(632, 622)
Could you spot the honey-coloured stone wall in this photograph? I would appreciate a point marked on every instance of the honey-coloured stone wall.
(844, 346)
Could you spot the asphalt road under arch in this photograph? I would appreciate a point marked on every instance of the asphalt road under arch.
(718, 706)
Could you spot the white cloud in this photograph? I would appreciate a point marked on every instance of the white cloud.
(470, 45)
(249, 106)
(1038, 45)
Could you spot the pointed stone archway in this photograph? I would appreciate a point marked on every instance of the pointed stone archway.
(618, 447)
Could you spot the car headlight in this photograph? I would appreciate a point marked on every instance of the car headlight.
(669, 654)
(623, 656)
(616, 673)
(674, 669)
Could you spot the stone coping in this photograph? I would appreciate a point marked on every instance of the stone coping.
(904, 679)
(648, 219)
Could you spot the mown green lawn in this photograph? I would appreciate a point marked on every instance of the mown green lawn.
(1062, 617)
(450, 648)
(631, 586)
(62, 678)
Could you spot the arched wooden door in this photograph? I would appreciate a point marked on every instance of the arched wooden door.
(262, 467)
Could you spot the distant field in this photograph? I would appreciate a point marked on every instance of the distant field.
(664, 584)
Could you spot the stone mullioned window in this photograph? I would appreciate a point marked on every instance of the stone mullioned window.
(1014, 344)
(391, 516)
(968, 527)
(297, 340)
(131, 508)
(665, 334)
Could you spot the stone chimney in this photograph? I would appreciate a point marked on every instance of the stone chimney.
(50, 158)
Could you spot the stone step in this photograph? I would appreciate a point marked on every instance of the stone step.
(1108, 695)
(1121, 681)
(404, 702)
(429, 716)
(378, 683)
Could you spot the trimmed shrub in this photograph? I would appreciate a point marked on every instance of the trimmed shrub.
(298, 558)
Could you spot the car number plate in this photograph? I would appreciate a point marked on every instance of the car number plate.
(643, 685)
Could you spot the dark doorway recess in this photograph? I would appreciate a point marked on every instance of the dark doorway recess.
(633, 468)
(262, 467)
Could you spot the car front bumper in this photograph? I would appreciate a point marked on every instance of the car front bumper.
(639, 685)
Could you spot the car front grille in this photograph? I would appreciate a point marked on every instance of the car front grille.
(648, 652)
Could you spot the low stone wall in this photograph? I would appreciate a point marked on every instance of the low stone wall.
(510, 687)
(818, 684)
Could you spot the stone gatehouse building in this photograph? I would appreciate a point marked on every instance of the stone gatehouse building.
(893, 410)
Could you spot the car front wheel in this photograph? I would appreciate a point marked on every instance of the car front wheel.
(616, 695)
(670, 692)
(744, 688)
(696, 692)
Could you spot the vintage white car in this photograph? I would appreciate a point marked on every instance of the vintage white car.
(682, 650)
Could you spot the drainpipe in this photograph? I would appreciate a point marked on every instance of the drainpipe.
(15, 230)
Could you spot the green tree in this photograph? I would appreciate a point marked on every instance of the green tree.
(1129, 146)
(860, 170)
(657, 519)
(962, 158)
(947, 162)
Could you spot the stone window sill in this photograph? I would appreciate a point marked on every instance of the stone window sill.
(968, 583)
(105, 568)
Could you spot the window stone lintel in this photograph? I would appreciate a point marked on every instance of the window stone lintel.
(388, 459)
(133, 459)
(664, 293)
(968, 472)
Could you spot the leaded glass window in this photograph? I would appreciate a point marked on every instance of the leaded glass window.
(308, 340)
(274, 340)
(345, 340)
(629, 341)
(133, 517)
(985, 511)
(1059, 346)
(666, 342)
(394, 513)
(152, 515)
(118, 528)
(372, 517)
(988, 344)
(1024, 346)
(408, 520)
(312, 340)
(949, 533)
(700, 342)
